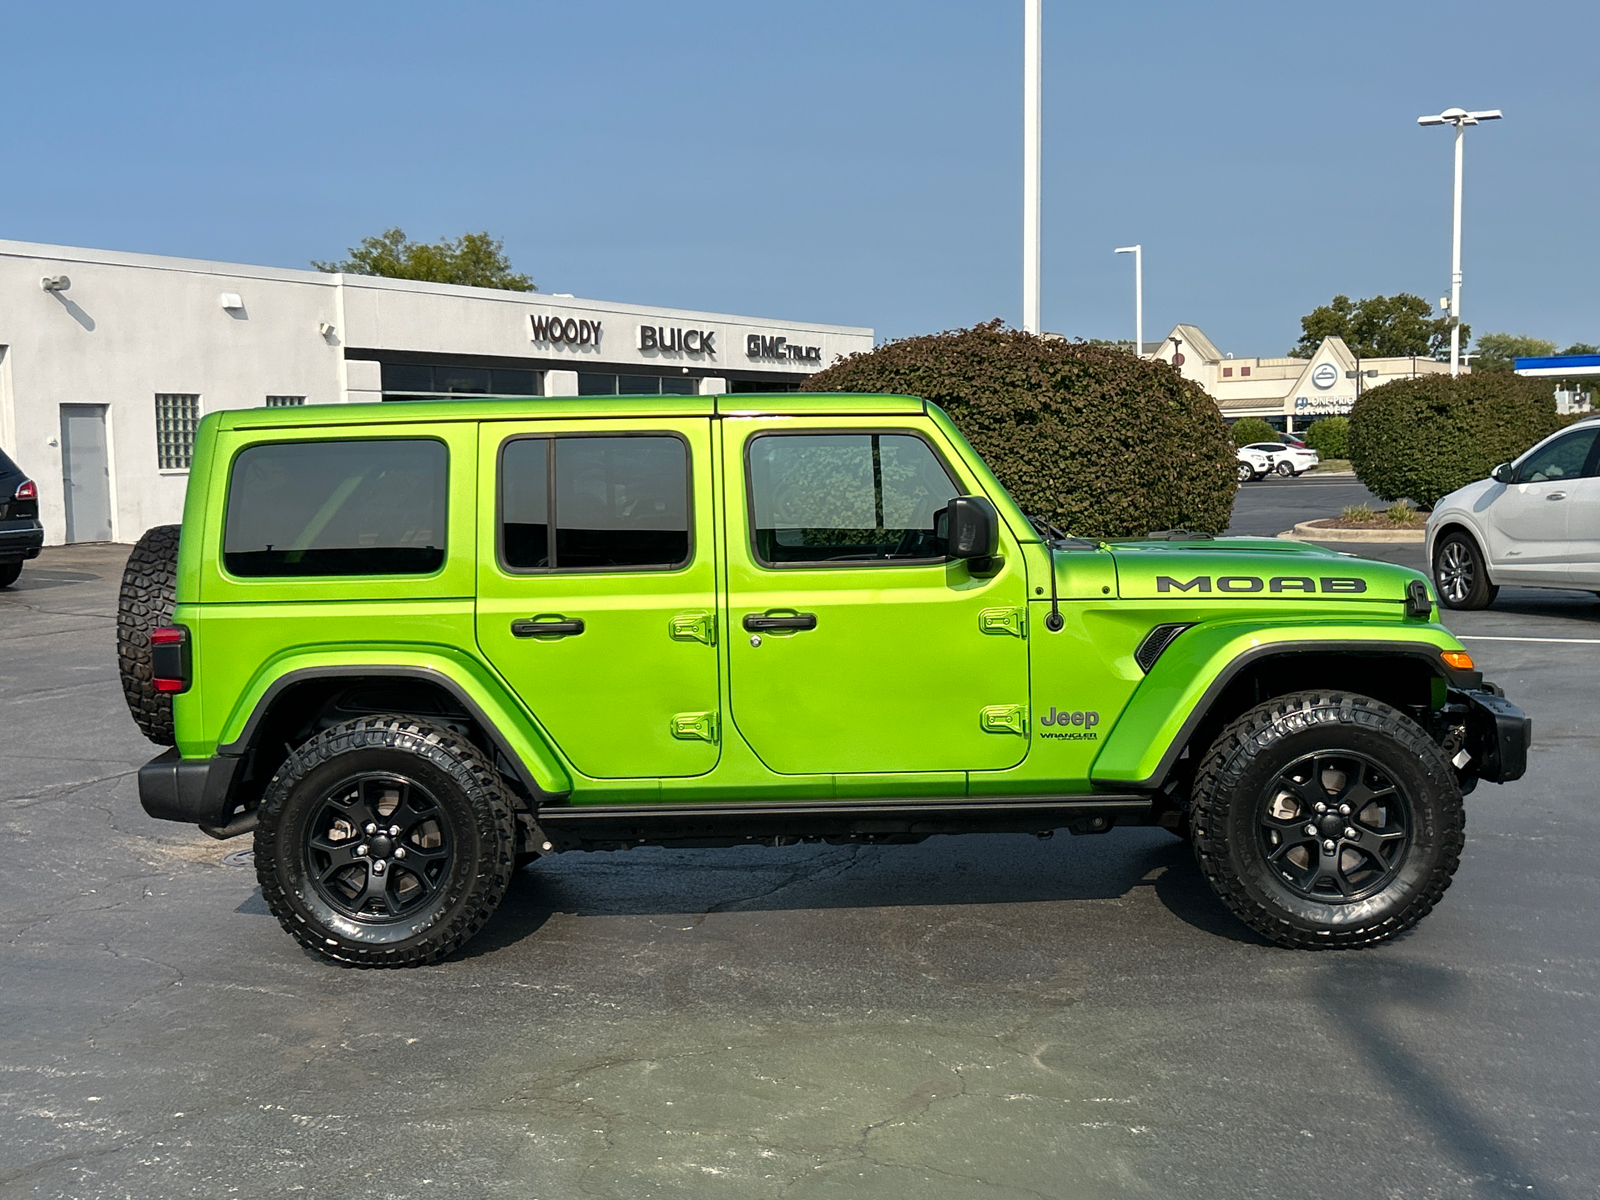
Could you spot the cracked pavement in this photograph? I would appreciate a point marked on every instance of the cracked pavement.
(987, 1016)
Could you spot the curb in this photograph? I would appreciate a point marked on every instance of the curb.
(1315, 531)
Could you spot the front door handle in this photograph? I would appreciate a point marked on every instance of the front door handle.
(1556, 496)
(760, 623)
(539, 627)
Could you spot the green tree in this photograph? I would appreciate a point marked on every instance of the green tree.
(1498, 351)
(1379, 327)
(1100, 442)
(1252, 429)
(473, 260)
(1330, 437)
(1581, 348)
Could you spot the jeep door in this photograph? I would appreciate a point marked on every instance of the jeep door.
(597, 587)
(855, 643)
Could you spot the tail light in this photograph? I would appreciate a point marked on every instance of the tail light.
(26, 491)
(169, 658)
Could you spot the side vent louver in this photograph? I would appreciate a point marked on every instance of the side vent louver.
(1157, 640)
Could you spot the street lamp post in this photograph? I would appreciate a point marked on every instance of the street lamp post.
(1460, 118)
(1031, 64)
(1138, 295)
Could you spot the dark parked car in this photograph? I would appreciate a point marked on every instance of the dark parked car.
(21, 535)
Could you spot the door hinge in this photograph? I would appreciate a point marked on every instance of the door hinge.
(696, 626)
(1004, 718)
(1004, 620)
(695, 726)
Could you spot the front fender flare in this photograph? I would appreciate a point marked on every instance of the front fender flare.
(1175, 696)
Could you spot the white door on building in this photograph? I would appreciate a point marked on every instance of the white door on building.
(86, 472)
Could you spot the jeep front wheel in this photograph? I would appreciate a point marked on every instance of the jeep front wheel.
(1326, 819)
(384, 842)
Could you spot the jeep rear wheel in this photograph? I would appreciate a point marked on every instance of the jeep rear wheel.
(1326, 819)
(384, 842)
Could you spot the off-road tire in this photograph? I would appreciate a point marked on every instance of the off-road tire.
(481, 831)
(1231, 793)
(149, 583)
(1480, 592)
(9, 573)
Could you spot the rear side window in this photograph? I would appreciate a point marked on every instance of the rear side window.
(847, 497)
(359, 507)
(594, 503)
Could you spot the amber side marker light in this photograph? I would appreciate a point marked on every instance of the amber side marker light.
(1459, 659)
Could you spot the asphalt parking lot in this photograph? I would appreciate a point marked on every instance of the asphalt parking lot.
(986, 1016)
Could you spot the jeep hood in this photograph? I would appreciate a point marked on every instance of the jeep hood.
(1253, 569)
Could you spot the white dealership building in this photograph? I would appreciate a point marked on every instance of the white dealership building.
(108, 360)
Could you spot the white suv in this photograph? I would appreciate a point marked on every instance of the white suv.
(1287, 459)
(1534, 522)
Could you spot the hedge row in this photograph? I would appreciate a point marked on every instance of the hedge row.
(1330, 437)
(1100, 442)
(1420, 439)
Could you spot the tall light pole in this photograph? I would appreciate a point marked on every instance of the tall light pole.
(1031, 63)
(1138, 296)
(1460, 118)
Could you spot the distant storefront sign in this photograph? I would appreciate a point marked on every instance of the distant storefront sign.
(1324, 404)
(1325, 376)
(757, 346)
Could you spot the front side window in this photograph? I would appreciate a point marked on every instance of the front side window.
(358, 507)
(594, 503)
(1561, 459)
(847, 497)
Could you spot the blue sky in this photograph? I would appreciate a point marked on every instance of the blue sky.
(851, 162)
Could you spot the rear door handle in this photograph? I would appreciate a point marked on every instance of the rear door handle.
(529, 627)
(760, 623)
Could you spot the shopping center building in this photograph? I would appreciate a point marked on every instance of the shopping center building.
(108, 361)
(1288, 393)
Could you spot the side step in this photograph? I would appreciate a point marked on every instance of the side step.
(621, 826)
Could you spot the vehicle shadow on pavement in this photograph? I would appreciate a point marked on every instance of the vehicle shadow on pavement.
(980, 870)
(1374, 1001)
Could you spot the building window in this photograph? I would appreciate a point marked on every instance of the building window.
(1244, 371)
(409, 381)
(176, 417)
(1227, 372)
(595, 383)
(285, 401)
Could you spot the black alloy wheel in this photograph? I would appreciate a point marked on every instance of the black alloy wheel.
(379, 847)
(1326, 820)
(1460, 575)
(1334, 826)
(386, 841)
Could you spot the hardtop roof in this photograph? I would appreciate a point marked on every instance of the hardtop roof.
(522, 408)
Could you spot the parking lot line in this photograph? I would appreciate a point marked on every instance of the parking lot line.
(1483, 637)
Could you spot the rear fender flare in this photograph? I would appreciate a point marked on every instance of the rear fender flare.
(503, 718)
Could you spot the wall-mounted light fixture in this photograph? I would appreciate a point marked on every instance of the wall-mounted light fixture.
(231, 301)
(324, 328)
(55, 283)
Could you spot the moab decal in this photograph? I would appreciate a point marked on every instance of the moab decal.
(1252, 583)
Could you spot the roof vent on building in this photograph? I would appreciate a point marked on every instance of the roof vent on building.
(231, 301)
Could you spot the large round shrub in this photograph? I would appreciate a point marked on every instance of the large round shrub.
(1330, 437)
(1096, 440)
(1252, 429)
(1420, 439)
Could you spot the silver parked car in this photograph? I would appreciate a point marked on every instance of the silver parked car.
(1534, 522)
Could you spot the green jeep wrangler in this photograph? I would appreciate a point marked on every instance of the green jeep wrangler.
(415, 646)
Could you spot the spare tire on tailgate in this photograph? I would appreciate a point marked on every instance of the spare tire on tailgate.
(148, 586)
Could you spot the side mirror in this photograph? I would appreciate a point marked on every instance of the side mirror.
(973, 527)
(1504, 473)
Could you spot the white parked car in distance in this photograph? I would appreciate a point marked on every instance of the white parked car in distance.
(1534, 522)
(1253, 463)
(1287, 460)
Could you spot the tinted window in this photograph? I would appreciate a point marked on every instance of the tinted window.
(848, 496)
(337, 508)
(619, 502)
(1561, 459)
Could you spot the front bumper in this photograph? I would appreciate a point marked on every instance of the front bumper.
(1498, 734)
(196, 791)
(20, 539)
